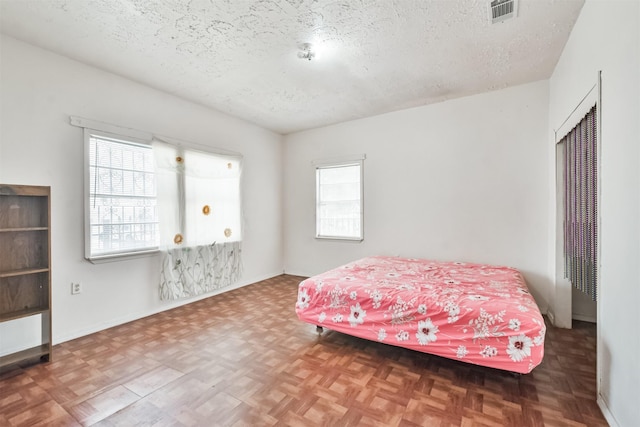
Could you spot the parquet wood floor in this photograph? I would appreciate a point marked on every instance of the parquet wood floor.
(242, 358)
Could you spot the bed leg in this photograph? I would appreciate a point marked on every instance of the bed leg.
(319, 330)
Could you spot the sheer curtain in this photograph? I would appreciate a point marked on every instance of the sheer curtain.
(200, 220)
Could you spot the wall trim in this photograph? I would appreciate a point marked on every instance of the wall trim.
(602, 404)
(584, 318)
(297, 273)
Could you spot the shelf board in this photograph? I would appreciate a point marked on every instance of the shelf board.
(16, 229)
(24, 190)
(30, 353)
(23, 271)
(19, 314)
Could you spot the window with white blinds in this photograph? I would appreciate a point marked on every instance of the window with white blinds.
(122, 202)
(339, 205)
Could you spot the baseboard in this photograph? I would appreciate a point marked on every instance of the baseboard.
(130, 318)
(297, 273)
(583, 318)
(606, 412)
(551, 316)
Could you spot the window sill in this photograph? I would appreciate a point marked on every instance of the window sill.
(101, 259)
(338, 238)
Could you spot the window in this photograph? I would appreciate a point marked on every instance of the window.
(339, 207)
(121, 205)
(143, 195)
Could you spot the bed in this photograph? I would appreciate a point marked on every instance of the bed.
(474, 313)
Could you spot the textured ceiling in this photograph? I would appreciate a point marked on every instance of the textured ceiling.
(241, 56)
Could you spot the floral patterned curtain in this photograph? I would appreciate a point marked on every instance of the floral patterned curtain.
(200, 220)
(188, 272)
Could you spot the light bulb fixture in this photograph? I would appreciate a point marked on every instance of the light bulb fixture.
(306, 51)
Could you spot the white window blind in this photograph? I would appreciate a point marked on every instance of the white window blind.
(339, 207)
(122, 204)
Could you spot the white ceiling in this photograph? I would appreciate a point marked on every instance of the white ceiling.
(240, 56)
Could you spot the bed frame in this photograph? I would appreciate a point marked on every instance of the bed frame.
(475, 313)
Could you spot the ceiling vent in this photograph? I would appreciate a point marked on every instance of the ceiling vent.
(502, 10)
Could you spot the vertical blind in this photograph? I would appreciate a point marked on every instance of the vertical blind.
(581, 204)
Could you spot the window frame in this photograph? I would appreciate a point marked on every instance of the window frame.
(336, 163)
(111, 256)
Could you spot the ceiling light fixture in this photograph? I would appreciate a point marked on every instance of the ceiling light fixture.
(306, 51)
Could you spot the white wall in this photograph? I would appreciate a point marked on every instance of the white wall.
(606, 38)
(39, 91)
(460, 180)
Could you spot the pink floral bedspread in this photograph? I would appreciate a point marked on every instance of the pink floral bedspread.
(475, 313)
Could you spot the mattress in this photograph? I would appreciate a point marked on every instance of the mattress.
(474, 313)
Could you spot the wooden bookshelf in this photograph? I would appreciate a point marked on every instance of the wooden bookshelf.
(25, 260)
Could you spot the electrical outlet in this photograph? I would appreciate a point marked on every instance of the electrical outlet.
(75, 288)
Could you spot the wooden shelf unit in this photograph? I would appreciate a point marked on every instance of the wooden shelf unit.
(25, 260)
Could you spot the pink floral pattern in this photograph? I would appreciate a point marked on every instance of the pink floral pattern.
(476, 313)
